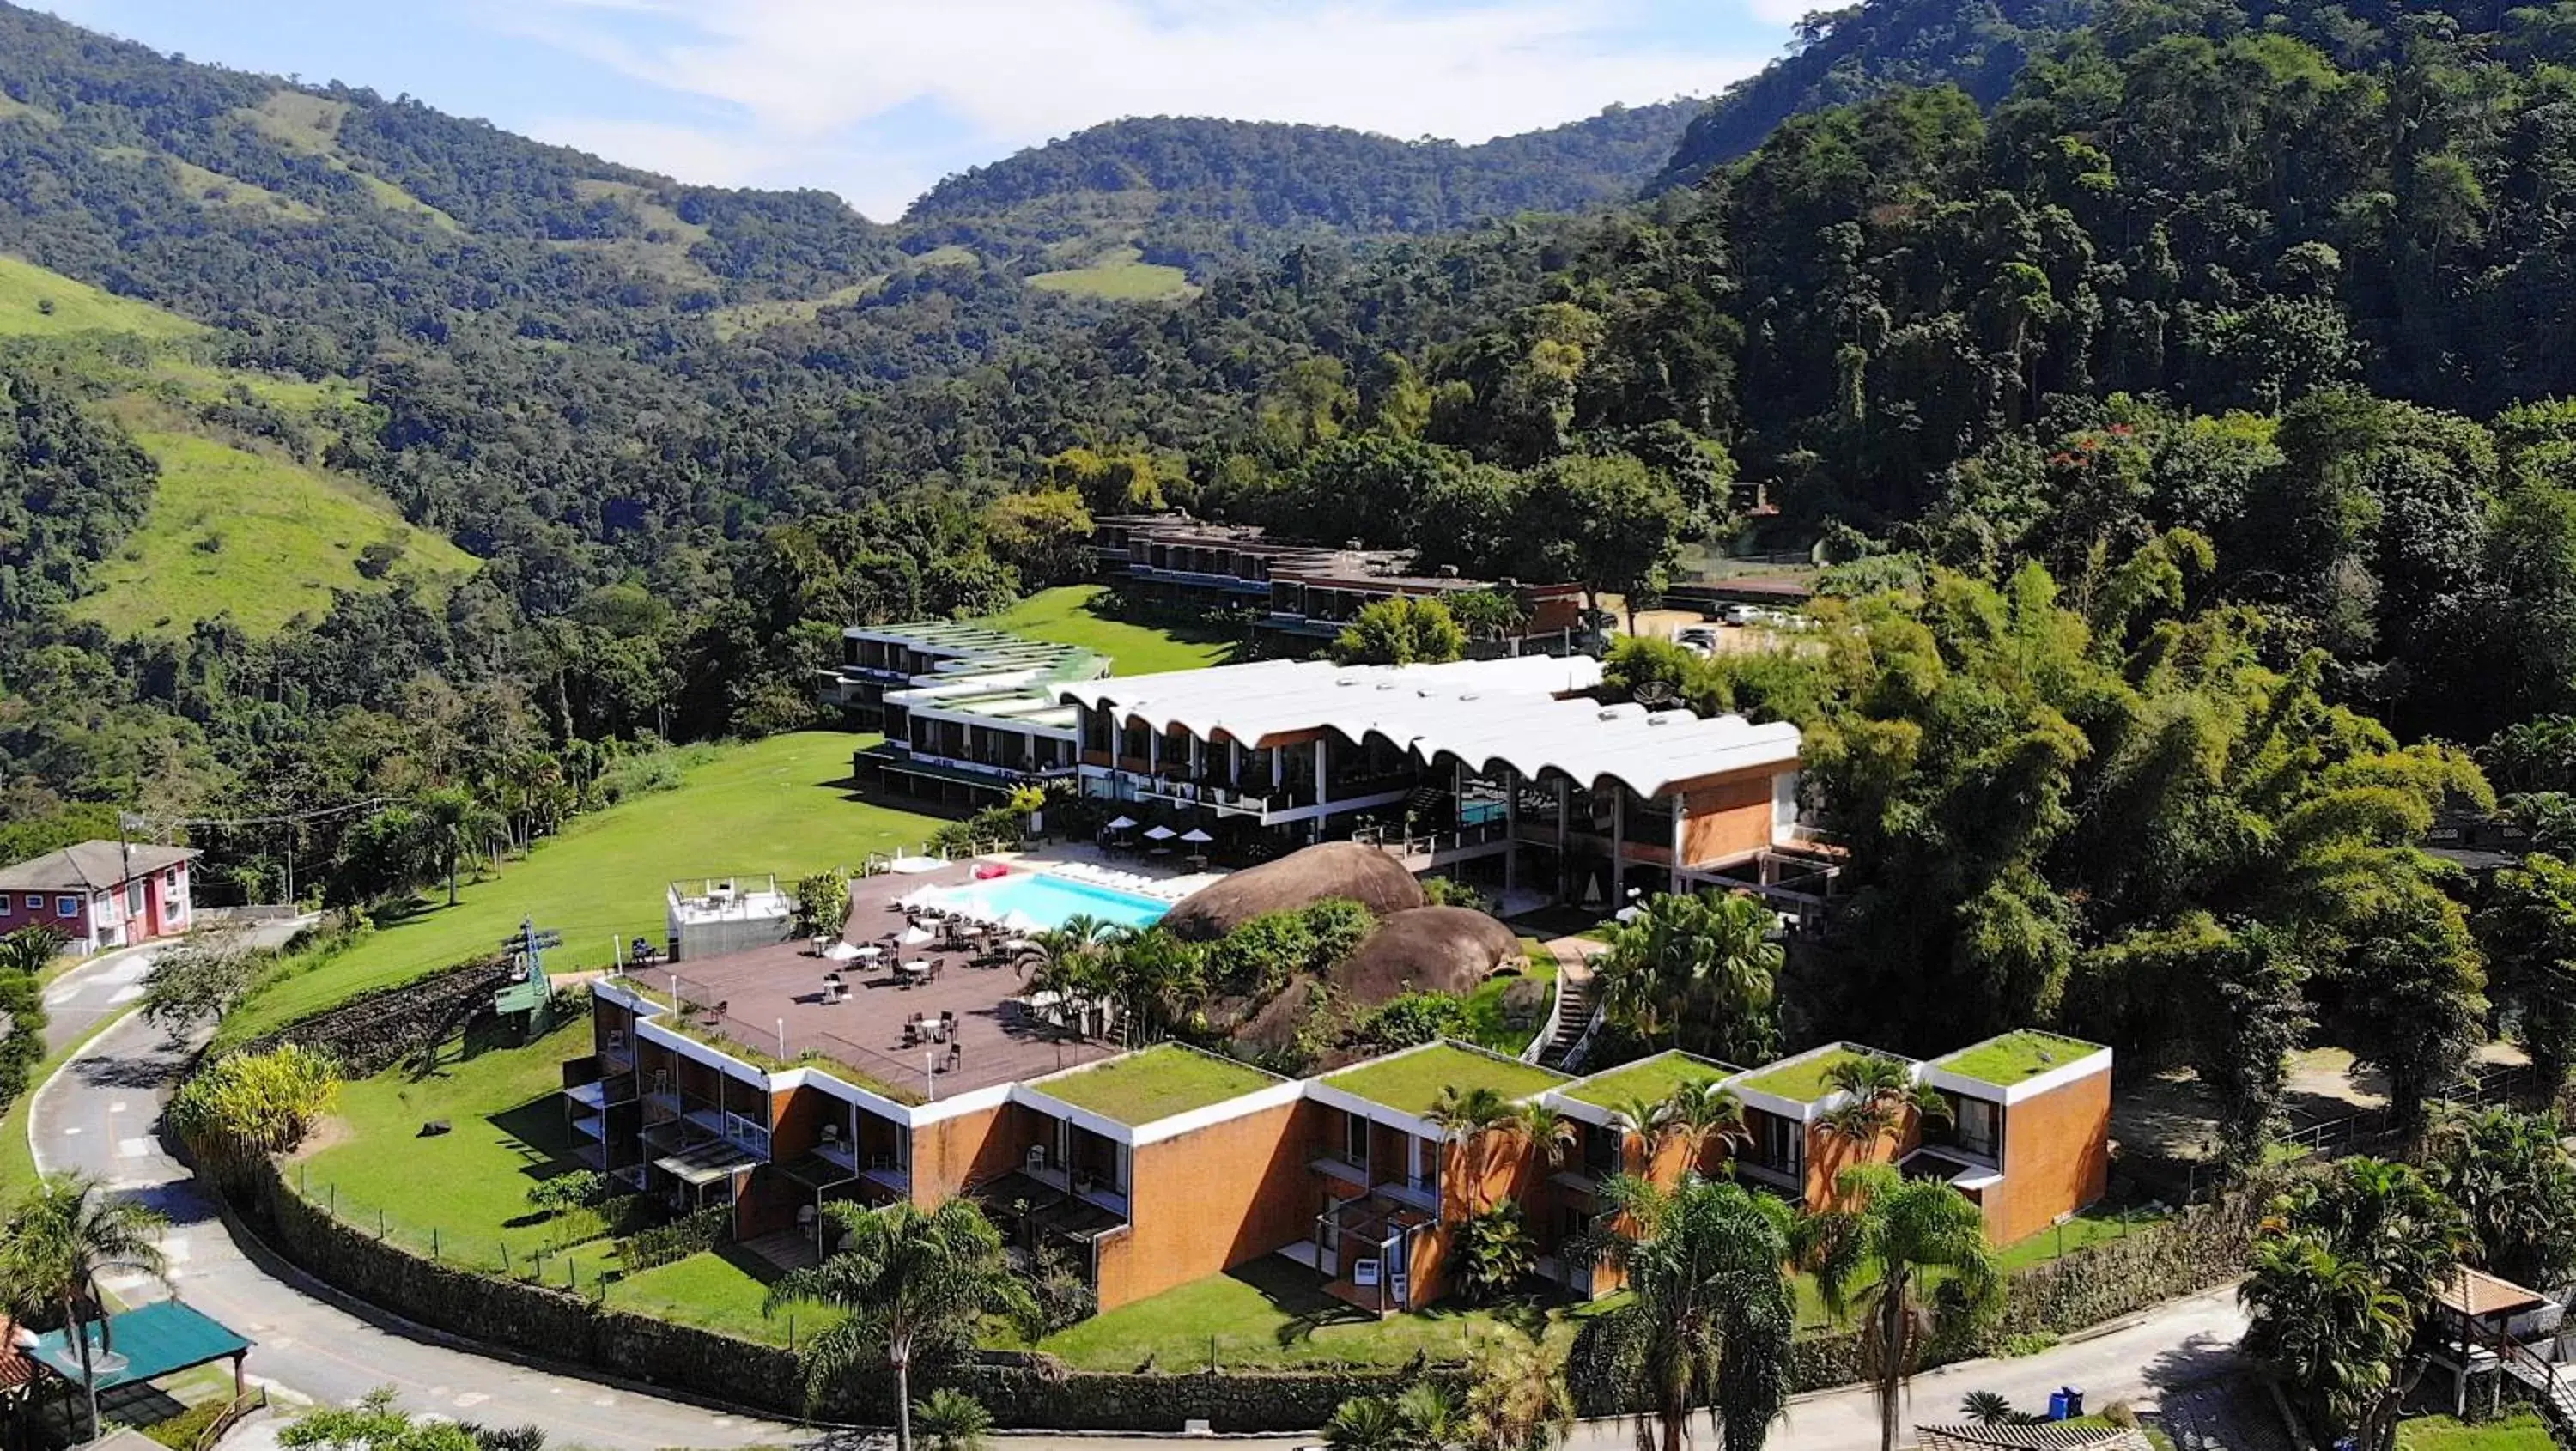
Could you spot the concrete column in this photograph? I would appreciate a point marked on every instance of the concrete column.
(1511, 829)
(1618, 847)
(1680, 817)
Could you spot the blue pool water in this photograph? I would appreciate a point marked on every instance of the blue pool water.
(1053, 901)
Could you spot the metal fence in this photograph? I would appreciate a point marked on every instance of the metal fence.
(703, 1012)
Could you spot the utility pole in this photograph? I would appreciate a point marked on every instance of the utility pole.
(532, 993)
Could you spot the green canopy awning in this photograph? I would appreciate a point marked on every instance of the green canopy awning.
(152, 1341)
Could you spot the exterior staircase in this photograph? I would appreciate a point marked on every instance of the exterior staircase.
(2553, 1387)
(1575, 1007)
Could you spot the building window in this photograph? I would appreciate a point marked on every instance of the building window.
(67, 906)
(4, 904)
(1975, 1122)
(1781, 1145)
(35, 903)
(134, 899)
(1355, 1141)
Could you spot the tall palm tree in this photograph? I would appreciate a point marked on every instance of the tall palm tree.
(913, 1282)
(65, 1233)
(1475, 1118)
(1903, 1231)
(459, 825)
(1548, 1132)
(1881, 1092)
(2324, 1325)
(1696, 971)
(1711, 1311)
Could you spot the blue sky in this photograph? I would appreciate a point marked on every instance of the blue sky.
(876, 99)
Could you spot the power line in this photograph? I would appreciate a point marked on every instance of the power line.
(166, 823)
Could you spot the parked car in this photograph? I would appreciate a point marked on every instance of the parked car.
(1699, 639)
(1741, 615)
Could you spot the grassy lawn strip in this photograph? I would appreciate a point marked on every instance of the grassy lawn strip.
(465, 1190)
(2008, 1059)
(1649, 1080)
(1272, 1314)
(1141, 1088)
(1804, 1080)
(2521, 1431)
(720, 1290)
(1068, 615)
(1412, 1083)
(779, 805)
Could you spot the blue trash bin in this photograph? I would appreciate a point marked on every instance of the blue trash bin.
(2057, 1404)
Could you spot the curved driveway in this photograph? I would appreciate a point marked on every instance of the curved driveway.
(100, 1114)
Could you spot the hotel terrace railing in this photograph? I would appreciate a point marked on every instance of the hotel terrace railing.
(1433, 846)
(703, 1015)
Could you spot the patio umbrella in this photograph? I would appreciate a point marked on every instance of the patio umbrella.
(1160, 833)
(841, 951)
(1196, 835)
(1123, 823)
(1628, 914)
(916, 936)
(1016, 921)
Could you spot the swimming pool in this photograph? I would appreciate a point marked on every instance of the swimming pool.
(1053, 901)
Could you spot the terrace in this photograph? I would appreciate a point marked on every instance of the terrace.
(1412, 1081)
(771, 1006)
(1155, 1084)
(2011, 1058)
(1649, 1080)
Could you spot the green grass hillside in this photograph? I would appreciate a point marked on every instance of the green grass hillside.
(1069, 615)
(237, 525)
(262, 538)
(780, 805)
(1120, 276)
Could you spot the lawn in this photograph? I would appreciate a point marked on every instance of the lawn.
(256, 536)
(1648, 1080)
(719, 1290)
(1413, 1082)
(1487, 1027)
(1271, 1313)
(2087, 1228)
(1142, 1088)
(1803, 1080)
(1068, 615)
(2011, 1057)
(779, 805)
(2521, 1431)
(506, 1131)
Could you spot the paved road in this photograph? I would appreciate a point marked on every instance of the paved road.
(99, 1114)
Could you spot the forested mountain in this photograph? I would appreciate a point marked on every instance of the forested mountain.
(1860, 51)
(1201, 194)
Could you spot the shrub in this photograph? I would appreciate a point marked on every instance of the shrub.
(577, 1190)
(1410, 1018)
(665, 1243)
(1260, 956)
(1063, 1297)
(951, 1420)
(180, 1432)
(247, 1106)
(992, 824)
(662, 768)
(1495, 1253)
(1339, 926)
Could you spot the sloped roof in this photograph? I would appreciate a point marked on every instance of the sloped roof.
(2038, 1436)
(91, 866)
(2477, 1294)
(1479, 712)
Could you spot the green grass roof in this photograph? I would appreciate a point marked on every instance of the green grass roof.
(1412, 1082)
(2009, 1058)
(1140, 1088)
(1801, 1080)
(1651, 1079)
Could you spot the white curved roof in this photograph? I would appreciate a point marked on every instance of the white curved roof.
(1482, 712)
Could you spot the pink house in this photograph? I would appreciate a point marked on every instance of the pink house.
(100, 893)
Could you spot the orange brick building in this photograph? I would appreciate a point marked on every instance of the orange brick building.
(1147, 1170)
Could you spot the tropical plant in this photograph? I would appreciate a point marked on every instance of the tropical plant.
(1696, 971)
(1702, 1115)
(1711, 1315)
(1516, 1396)
(1488, 614)
(2346, 1267)
(1369, 1423)
(65, 1232)
(196, 979)
(1157, 979)
(1495, 1253)
(1987, 1408)
(2510, 1175)
(460, 827)
(244, 1107)
(1400, 630)
(376, 1423)
(1896, 1240)
(23, 954)
(822, 904)
(1879, 1093)
(1546, 1131)
(950, 1420)
(558, 1193)
(1478, 1119)
(914, 1285)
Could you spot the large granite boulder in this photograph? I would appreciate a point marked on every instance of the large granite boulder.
(1426, 949)
(1364, 874)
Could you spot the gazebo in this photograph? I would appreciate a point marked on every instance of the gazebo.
(2485, 1324)
(143, 1344)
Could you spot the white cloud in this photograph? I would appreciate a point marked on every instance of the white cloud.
(789, 84)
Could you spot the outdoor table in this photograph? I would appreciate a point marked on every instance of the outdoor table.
(918, 967)
(870, 953)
